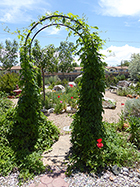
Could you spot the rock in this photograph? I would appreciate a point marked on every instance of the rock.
(45, 111)
(108, 103)
(58, 88)
(69, 109)
(111, 178)
(67, 128)
(62, 111)
(129, 95)
(131, 175)
(123, 84)
(116, 170)
(137, 96)
(51, 110)
(125, 169)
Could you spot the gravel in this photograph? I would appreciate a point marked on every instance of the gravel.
(128, 177)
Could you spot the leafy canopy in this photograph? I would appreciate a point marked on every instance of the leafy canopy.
(8, 54)
(134, 66)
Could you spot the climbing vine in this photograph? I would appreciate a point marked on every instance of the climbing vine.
(87, 126)
(26, 136)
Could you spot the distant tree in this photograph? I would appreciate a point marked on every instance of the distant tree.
(134, 66)
(65, 55)
(8, 54)
(45, 59)
(74, 64)
(125, 63)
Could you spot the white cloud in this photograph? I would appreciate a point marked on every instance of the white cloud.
(119, 54)
(53, 30)
(119, 7)
(15, 11)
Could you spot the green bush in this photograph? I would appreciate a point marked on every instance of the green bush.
(134, 130)
(132, 108)
(119, 151)
(52, 79)
(125, 91)
(70, 96)
(64, 82)
(137, 88)
(47, 103)
(120, 77)
(5, 103)
(27, 162)
(110, 80)
(58, 107)
(8, 82)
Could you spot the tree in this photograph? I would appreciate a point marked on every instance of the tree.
(134, 66)
(8, 54)
(45, 59)
(125, 63)
(65, 55)
(74, 64)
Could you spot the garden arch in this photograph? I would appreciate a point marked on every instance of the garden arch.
(87, 126)
(55, 20)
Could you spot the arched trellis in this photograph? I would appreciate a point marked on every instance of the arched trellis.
(62, 21)
(87, 126)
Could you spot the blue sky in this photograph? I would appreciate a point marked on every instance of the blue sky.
(118, 22)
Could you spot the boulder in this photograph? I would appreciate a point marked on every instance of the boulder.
(45, 112)
(69, 109)
(59, 87)
(51, 110)
(123, 84)
(108, 103)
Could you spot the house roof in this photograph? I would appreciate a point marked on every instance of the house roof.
(117, 67)
(14, 68)
(77, 68)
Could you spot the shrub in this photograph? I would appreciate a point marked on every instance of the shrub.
(64, 82)
(58, 107)
(125, 91)
(137, 88)
(5, 103)
(120, 77)
(119, 151)
(52, 79)
(70, 96)
(27, 161)
(134, 130)
(132, 108)
(8, 82)
(111, 80)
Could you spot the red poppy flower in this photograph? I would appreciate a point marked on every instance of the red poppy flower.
(58, 96)
(122, 103)
(99, 140)
(71, 97)
(71, 85)
(100, 145)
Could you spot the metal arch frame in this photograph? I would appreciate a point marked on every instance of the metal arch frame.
(52, 24)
